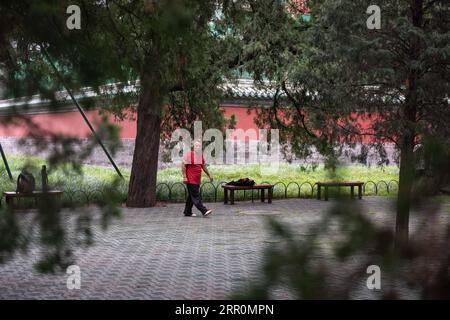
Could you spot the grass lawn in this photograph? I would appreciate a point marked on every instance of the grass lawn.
(92, 179)
(287, 173)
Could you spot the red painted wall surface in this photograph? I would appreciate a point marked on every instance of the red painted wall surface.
(72, 124)
(64, 123)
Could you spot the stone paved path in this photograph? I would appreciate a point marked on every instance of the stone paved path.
(159, 254)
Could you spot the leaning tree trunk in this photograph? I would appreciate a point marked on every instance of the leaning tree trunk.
(142, 187)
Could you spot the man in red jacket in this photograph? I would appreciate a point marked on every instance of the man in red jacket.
(192, 166)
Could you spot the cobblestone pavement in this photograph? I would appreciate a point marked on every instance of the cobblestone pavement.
(158, 253)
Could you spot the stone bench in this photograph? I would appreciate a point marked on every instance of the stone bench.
(351, 184)
(10, 196)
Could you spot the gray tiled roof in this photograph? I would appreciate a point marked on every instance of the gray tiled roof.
(240, 90)
(247, 89)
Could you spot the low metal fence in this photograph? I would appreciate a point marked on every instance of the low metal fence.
(213, 192)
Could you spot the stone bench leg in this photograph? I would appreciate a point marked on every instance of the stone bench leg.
(269, 200)
(225, 196)
(9, 202)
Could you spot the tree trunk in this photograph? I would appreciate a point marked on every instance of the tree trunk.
(407, 170)
(407, 140)
(142, 187)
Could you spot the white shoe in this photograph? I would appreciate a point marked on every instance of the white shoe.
(192, 215)
(207, 213)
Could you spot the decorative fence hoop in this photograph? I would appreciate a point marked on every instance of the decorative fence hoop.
(285, 189)
(367, 183)
(161, 186)
(385, 184)
(298, 187)
(214, 187)
(184, 188)
(311, 186)
(392, 181)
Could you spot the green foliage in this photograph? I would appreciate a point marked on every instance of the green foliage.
(329, 260)
(120, 46)
(338, 83)
(288, 173)
(116, 45)
(56, 232)
(11, 236)
(333, 70)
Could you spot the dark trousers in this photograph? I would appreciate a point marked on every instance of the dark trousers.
(194, 199)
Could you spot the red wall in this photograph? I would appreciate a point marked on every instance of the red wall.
(244, 116)
(64, 123)
(72, 124)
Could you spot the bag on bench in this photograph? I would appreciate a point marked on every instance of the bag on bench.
(25, 182)
(245, 182)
